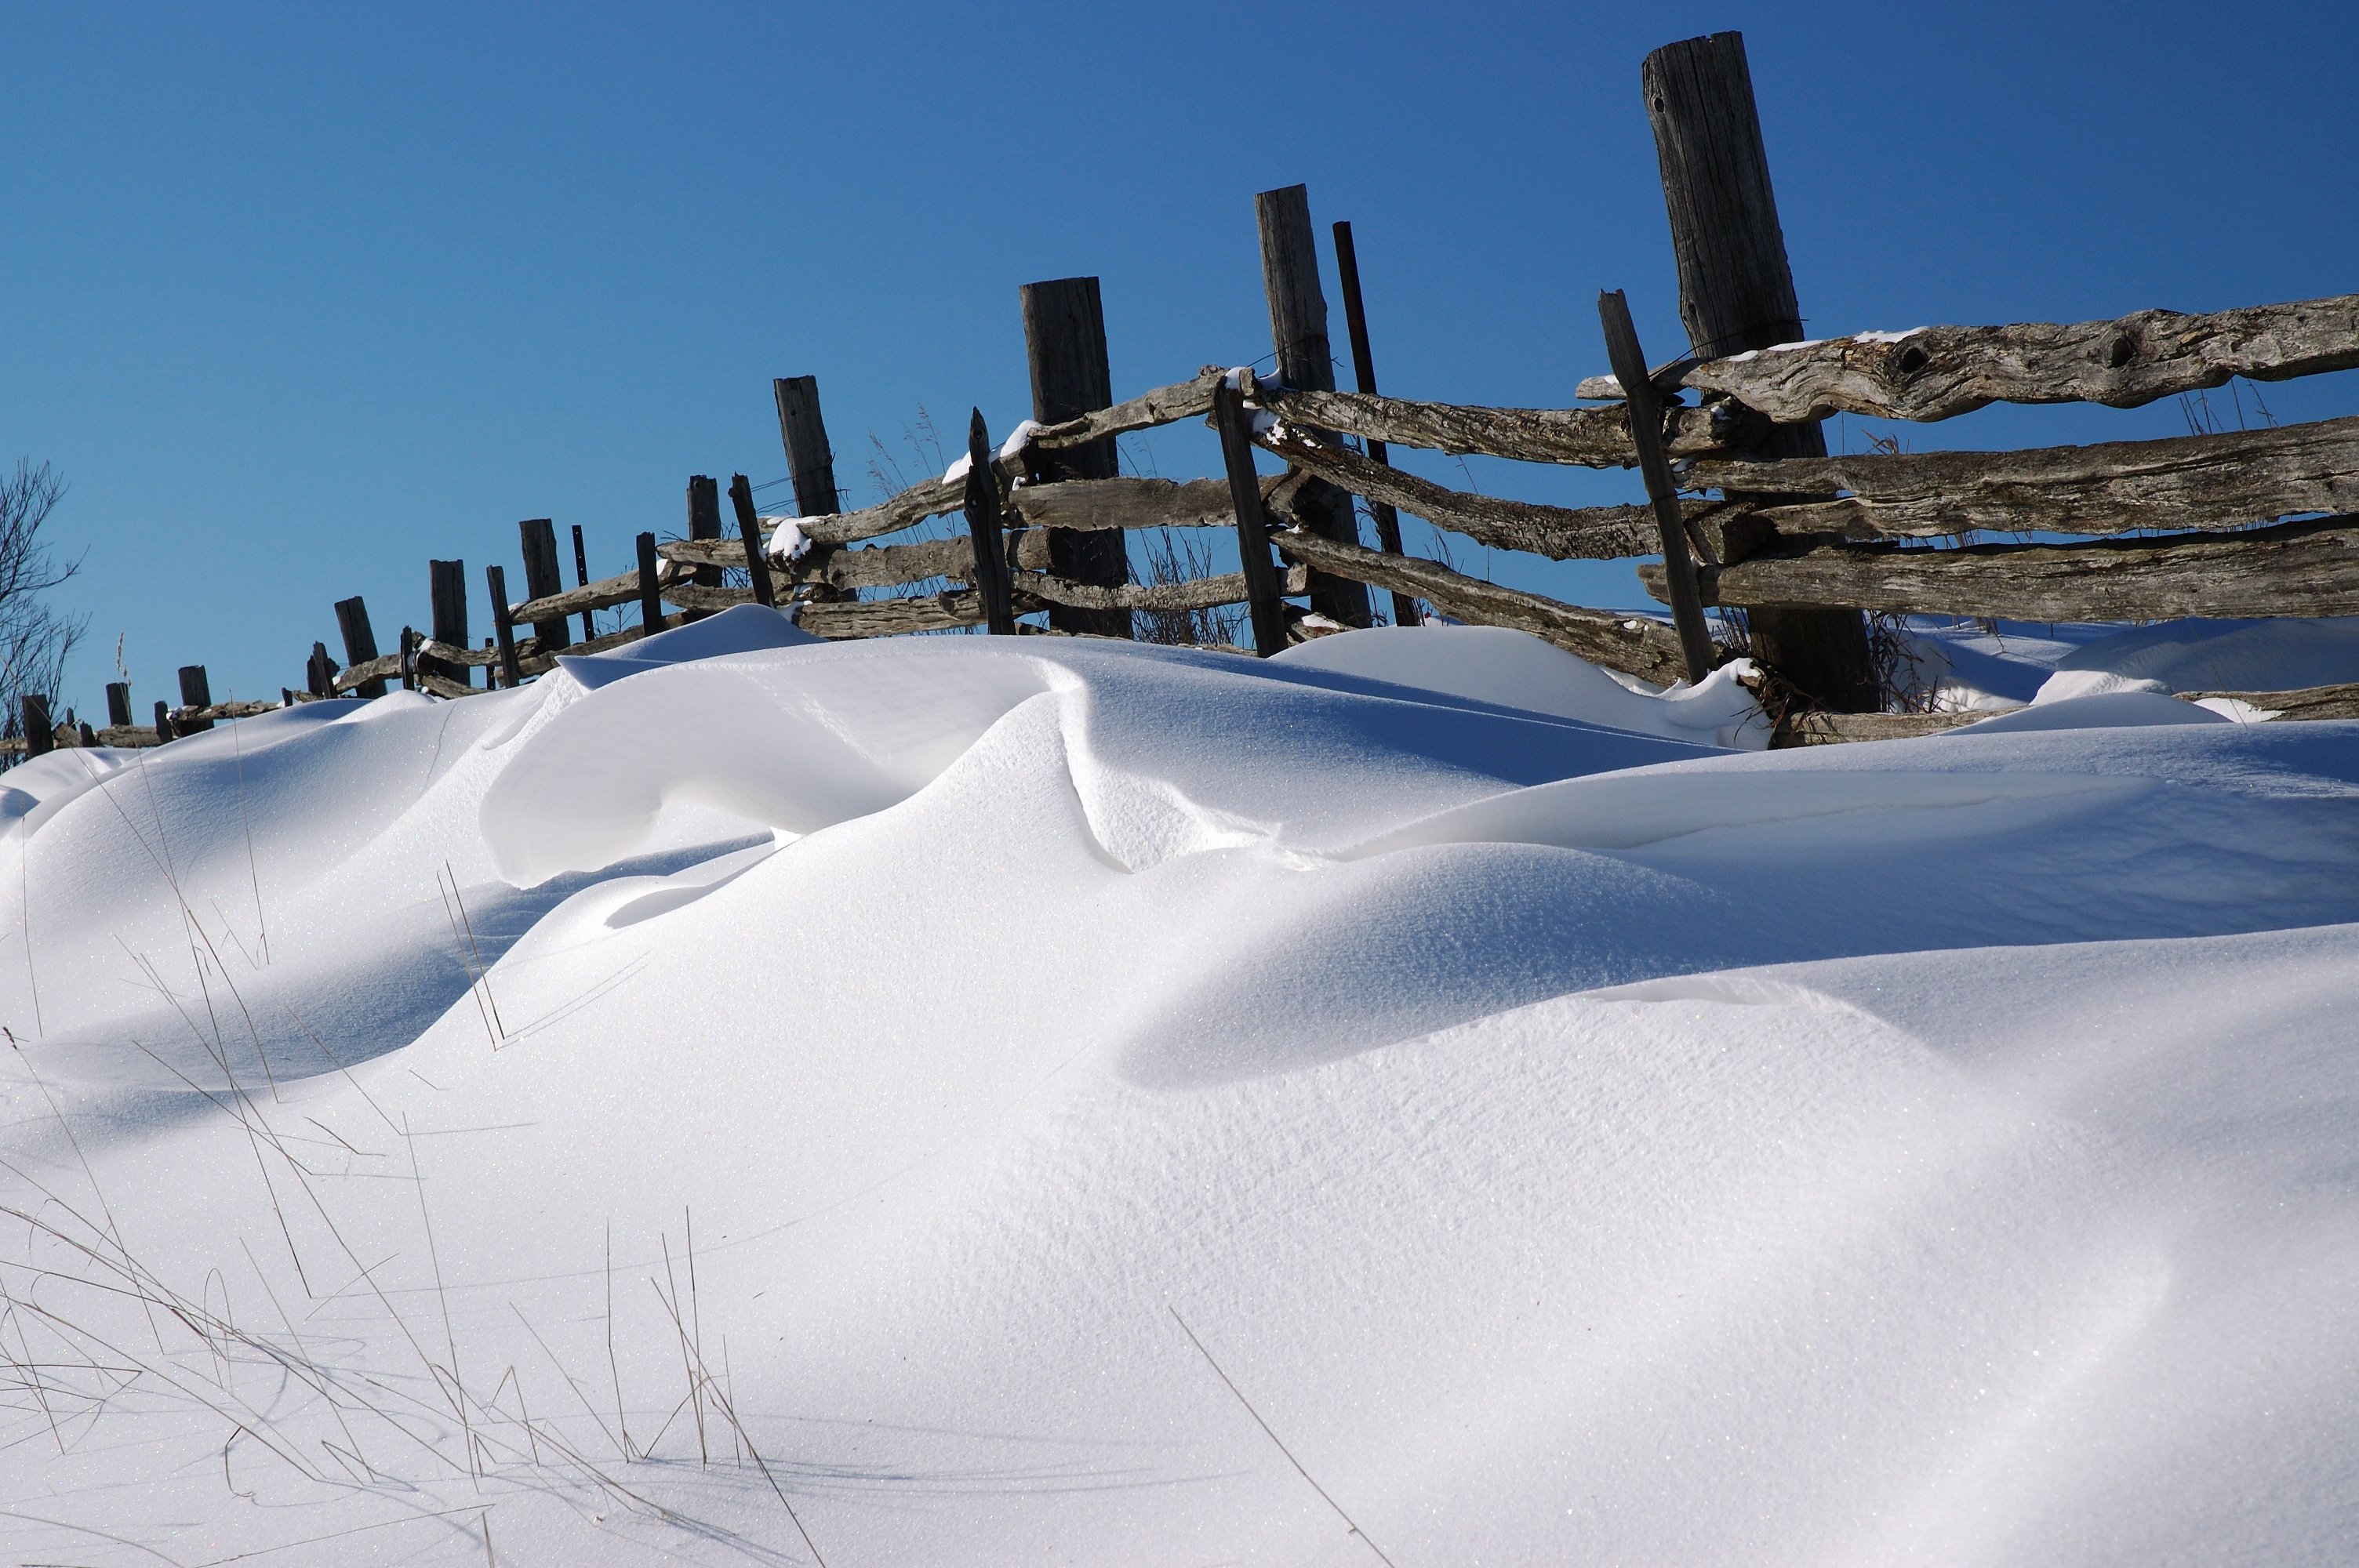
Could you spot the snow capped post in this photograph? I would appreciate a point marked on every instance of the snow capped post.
(1262, 600)
(703, 523)
(446, 583)
(1298, 326)
(983, 528)
(1065, 346)
(542, 577)
(651, 613)
(360, 643)
(1363, 373)
(749, 534)
(1645, 407)
(1736, 294)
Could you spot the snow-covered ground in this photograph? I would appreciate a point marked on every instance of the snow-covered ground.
(1412, 1100)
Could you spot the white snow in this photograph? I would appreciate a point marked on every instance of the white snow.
(788, 540)
(1576, 1138)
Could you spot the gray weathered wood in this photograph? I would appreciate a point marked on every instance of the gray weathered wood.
(196, 695)
(1131, 503)
(1583, 438)
(446, 583)
(1559, 533)
(1363, 376)
(890, 617)
(1245, 505)
(1646, 413)
(1065, 351)
(1936, 372)
(1197, 593)
(704, 520)
(983, 528)
(40, 734)
(360, 643)
(543, 580)
(2183, 481)
(749, 540)
(1298, 330)
(1640, 645)
(2341, 701)
(1190, 399)
(319, 672)
(650, 584)
(503, 628)
(809, 459)
(2308, 568)
(118, 704)
(1736, 292)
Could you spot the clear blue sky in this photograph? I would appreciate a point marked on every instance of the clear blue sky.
(296, 297)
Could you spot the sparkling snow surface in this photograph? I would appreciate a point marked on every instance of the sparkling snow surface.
(1578, 1140)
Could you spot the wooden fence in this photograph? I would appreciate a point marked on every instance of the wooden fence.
(1744, 507)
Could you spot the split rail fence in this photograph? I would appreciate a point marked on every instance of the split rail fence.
(1744, 508)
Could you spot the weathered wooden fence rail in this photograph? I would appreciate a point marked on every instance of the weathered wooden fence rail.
(2224, 524)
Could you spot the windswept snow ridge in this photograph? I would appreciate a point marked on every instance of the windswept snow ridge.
(744, 1072)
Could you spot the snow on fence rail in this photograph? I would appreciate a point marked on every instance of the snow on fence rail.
(1753, 515)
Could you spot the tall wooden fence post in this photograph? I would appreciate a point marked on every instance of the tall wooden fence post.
(982, 529)
(504, 627)
(195, 692)
(1363, 372)
(320, 672)
(118, 705)
(542, 577)
(749, 534)
(446, 583)
(804, 434)
(1298, 327)
(1262, 598)
(1065, 346)
(40, 735)
(651, 611)
(703, 523)
(360, 643)
(1737, 295)
(581, 579)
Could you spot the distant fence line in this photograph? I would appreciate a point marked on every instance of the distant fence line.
(1742, 508)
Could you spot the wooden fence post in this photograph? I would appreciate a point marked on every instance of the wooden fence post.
(320, 672)
(581, 579)
(164, 730)
(40, 735)
(703, 523)
(446, 583)
(196, 692)
(1363, 372)
(1262, 599)
(542, 578)
(504, 627)
(1065, 347)
(118, 705)
(1298, 326)
(651, 613)
(408, 658)
(804, 433)
(1736, 294)
(1645, 405)
(749, 532)
(983, 528)
(360, 643)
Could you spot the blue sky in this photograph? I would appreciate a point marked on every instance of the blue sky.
(298, 298)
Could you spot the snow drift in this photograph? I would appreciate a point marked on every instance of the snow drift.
(937, 1085)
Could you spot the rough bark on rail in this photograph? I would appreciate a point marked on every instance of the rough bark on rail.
(2186, 481)
(2293, 569)
(1587, 437)
(1934, 372)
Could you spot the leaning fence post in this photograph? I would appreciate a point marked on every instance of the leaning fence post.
(1363, 373)
(360, 643)
(320, 671)
(1645, 407)
(1065, 347)
(749, 532)
(446, 586)
(1262, 598)
(804, 434)
(982, 529)
(118, 705)
(196, 692)
(651, 613)
(1298, 326)
(504, 627)
(581, 579)
(1737, 295)
(703, 523)
(541, 578)
(40, 735)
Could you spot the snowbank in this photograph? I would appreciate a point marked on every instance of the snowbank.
(924, 1078)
